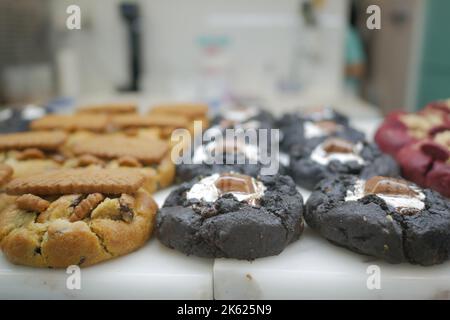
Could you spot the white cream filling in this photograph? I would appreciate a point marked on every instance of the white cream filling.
(239, 114)
(311, 130)
(206, 152)
(396, 201)
(320, 156)
(206, 190)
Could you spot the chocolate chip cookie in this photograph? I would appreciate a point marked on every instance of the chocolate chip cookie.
(75, 217)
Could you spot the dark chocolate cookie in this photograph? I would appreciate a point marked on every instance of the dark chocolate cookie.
(321, 158)
(296, 131)
(205, 217)
(387, 218)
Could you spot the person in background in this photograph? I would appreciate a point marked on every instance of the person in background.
(355, 58)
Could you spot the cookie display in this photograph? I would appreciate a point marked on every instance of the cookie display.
(71, 123)
(32, 152)
(388, 218)
(317, 160)
(298, 129)
(232, 216)
(75, 217)
(150, 157)
(230, 155)
(108, 108)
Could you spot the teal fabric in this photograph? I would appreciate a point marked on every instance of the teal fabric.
(434, 69)
(354, 54)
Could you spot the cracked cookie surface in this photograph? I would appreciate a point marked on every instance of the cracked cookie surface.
(227, 227)
(83, 228)
(371, 225)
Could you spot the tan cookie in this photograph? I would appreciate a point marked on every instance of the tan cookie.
(42, 140)
(84, 226)
(85, 180)
(149, 156)
(6, 173)
(110, 147)
(89, 122)
(190, 110)
(109, 108)
(148, 121)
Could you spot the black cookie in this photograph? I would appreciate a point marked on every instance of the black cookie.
(229, 228)
(252, 167)
(294, 131)
(307, 172)
(262, 120)
(371, 226)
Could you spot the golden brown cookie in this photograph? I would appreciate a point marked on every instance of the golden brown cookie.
(6, 173)
(109, 108)
(145, 151)
(88, 122)
(32, 152)
(191, 111)
(123, 122)
(75, 217)
(43, 140)
(84, 180)
(149, 156)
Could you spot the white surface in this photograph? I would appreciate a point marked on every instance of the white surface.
(313, 268)
(153, 272)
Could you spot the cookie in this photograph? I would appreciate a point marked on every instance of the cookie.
(6, 173)
(230, 215)
(75, 217)
(164, 123)
(427, 162)
(88, 180)
(32, 152)
(391, 219)
(296, 131)
(109, 108)
(43, 140)
(229, 155)
(70, 123)
(151, 157)
(320, 159)
(192, 111)
(244, 117)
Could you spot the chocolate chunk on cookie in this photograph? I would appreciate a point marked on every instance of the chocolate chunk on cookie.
(233, 216)
(384, 217)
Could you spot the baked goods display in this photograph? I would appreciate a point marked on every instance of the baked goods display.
(233, 216)
(387, 218)
(75, 217)
(420, 142)
(76, 189)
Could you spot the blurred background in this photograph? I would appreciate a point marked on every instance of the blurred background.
(282, 53)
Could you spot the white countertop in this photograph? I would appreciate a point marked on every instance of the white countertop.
(153, 272)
